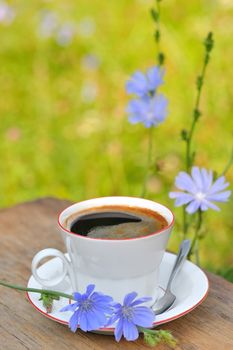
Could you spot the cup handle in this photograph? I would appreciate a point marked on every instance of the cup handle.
(67, 268)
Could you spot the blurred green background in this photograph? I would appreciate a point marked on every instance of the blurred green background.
(64, 131)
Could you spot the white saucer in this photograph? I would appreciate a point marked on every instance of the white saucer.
(190, 287)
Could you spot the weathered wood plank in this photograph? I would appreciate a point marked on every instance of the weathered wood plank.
(29, 227)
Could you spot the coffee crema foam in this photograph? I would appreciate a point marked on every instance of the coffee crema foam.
(116, 222)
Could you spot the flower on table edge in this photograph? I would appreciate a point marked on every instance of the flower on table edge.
(128, 316)
(199, 190)
(90, 311)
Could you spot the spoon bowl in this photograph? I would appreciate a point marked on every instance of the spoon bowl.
(168, 298)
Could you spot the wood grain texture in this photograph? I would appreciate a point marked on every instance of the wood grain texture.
(27, 228)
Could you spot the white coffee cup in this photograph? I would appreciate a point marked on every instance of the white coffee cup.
(115, 266)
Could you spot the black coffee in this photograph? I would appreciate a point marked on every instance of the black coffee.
(117, 223)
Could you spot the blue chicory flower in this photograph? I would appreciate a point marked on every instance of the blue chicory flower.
(86, 27)
(49, 24)
(90, 311)
(199, 190)
(142, 84)
(129, 315)
(65, 34)
(149, 111)
(7, 13)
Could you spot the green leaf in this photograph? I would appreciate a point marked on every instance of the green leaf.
(157, 35)
(151, 339)
(209, 42)
(196, 113)
(47, 300)
(154, 15)
(184, 134)
(199, 82)
(154, 337)
(167, 338)
(161, 58)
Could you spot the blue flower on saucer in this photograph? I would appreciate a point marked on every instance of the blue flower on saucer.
(129, 315)
(90, 311)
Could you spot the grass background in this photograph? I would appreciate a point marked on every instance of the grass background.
(64, 131)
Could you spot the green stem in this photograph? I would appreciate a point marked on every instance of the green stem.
(35, 290)
(159, 33)
(149, 155)
(189, 158)
(188, 135)
(154, 337)
(229, 163)
(147, 330)
(185, 223)
(196, 252)
(196, 236)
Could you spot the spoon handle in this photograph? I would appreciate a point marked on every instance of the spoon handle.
(181, 256)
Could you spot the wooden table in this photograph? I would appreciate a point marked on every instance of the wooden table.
(30, 227)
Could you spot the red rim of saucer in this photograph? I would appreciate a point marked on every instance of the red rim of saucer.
(112, 329)
(121, 239)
